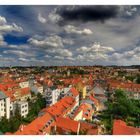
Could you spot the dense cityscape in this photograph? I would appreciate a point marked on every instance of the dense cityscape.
(70, 100)
(69, 70)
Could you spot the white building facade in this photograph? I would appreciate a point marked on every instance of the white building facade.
(4, 106)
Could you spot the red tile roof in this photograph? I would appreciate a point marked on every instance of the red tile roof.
(72, 126)
(94, 100)
(87, 111)
(58, 109)
(74, 91)
(25, 91)
(120, 128)
(36, 126)
(11, 95)
(62, 106)
(127, 86)
(67, 124)
(91, 130)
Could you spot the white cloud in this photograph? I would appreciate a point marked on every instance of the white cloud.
(73, 29)
(94, 52)
(54, 17)
(2, 42)
(5, 28)
(52, 41)
(64, 52)
(2, 20)
(95, 48)
(68, 41)
(59, 57)
(130, 57)
(19, 53)
(131, 11)
(23, 59)
(41, 18)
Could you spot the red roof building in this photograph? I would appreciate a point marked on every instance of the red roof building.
(44, 123)
(120, 128)
(68, 126)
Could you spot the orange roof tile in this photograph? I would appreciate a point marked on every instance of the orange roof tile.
(67, 124)
(74, 91)
(58, 109)
(120, 128)
(94, 100)
(87, 111)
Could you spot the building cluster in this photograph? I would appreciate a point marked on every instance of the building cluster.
(132, 89)
(74, 96)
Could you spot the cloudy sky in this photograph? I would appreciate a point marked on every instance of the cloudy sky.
(69, 35)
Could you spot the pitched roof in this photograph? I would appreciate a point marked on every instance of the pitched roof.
(35, 126)
(120, 128)
(94, 100)
(98, 90)
(73, 126)
(58, 109)
(86, 111)
(62, 106)
(10, 94)
(67, 124)
(74, 91)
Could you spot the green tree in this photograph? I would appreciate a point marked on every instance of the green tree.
(138, 79)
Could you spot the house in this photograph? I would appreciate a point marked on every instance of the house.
(40, 126)
(83, 112)
(120, 128)
(24, 84)
(98, 91)
(37, 88)
(22, 94)
(74, 93)
(132, 89)
(44, 123)
(23, 108)
(66, 126)
(4, 105)
(52, 95)
(95, 100)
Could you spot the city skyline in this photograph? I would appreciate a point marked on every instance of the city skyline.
(69, 35)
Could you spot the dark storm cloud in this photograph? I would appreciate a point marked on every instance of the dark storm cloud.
(88, 13)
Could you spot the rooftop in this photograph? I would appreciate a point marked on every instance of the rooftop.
(120, 128)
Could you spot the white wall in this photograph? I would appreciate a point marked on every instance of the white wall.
(5, 107)
(23, 108)
(24, 84)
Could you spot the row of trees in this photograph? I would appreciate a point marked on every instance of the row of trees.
(15, 121)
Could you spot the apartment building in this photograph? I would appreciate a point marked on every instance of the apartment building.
(4, 105)
(23, 108)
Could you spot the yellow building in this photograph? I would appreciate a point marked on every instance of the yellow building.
(82, 89)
